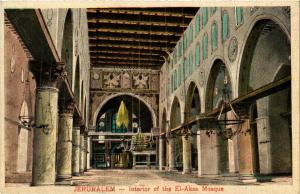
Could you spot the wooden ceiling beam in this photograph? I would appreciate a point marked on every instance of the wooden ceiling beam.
(143, 40)
(110, 45)
(118, 66)
(140, 18)
(133, 57)
(111, 62)
(148, 11)
(128, 58)
(137, 28)
(120, 52)
(134, 44)
(141, 37)
(137, 22)
(101, 48)
(133, 31)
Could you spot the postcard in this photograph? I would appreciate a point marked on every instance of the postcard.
(149, 97)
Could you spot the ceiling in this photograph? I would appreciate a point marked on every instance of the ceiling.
(135, 37)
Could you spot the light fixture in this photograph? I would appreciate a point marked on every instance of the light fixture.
(223, 123)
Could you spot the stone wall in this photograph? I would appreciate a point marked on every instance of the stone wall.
(19, 101)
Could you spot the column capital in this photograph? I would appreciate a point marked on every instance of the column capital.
(48, 73)
(67, 108)
(186, 132)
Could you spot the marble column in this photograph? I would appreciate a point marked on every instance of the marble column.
(44, 142)
(76, 151)
(64, 145)
(171, 153)
(199, 153)
(161, 152)
(85, 153)
(88, 166)
(186, 154)
(81, 168)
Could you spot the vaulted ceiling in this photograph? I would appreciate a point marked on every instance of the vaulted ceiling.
(135, 37)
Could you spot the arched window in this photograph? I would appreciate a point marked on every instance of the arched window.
(191, 34)
(179, 74)
(172, 83)
(197, 24)
(225, 25)
(214, 36)
(179, 49)
(213, 10)
(204, 16)
(191, 63)
(197, 55)
(184, 42)
(175, 80)
(204, 46)
(185, 68)
(238, 15)
(175, 55)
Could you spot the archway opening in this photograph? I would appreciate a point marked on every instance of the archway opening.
(67, 45)
(175, 121)
(193, 109)
(218, 146)
(163, 130)
(109, 150)
(266, 58)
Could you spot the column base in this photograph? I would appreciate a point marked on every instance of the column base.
(186, 171)
(81, 172)
(42, 184)
(64, 182)
(75, 174)
(248, 178)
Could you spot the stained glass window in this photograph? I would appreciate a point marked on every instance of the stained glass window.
(214, 36)
(185, 68)
(179, 74)
(225, 25)
(114, 128)
(213, 10)
(175, 80)
(184, 42)
(197, 24)
(204, 16)
(197, 55)
(204, 46)
(238, 15)
(191, 63)
(179, 49)
(191, 35)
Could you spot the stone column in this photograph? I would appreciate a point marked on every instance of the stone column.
(64, 144)
(199, 153)
(171, 154)
(88, 166)
(44, 142)
(161, 152)
(81, 168)
(186, 154)
(85, 153)
(133, 161)
(76, 151)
